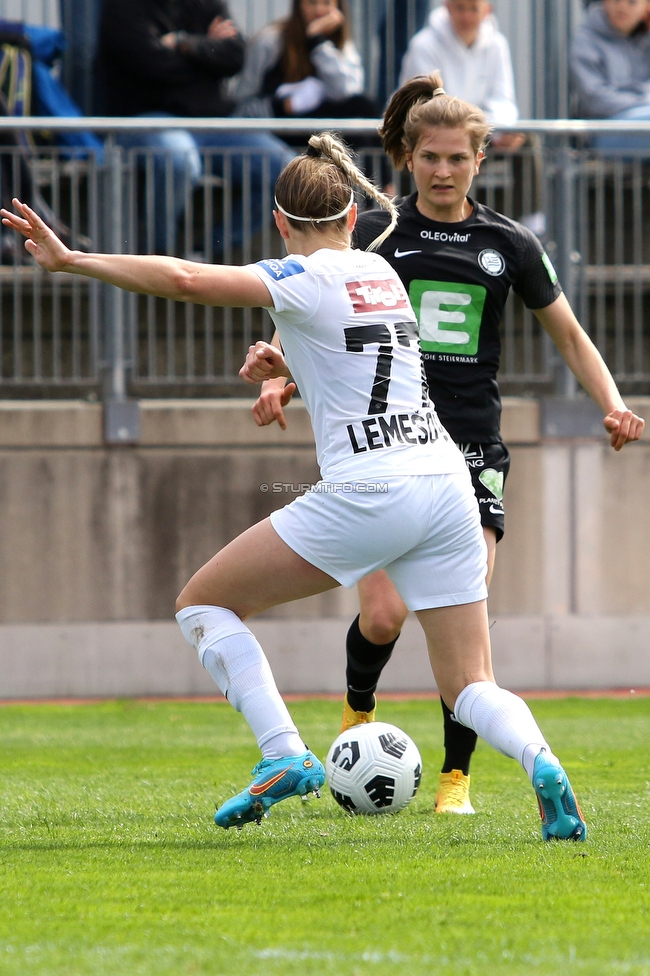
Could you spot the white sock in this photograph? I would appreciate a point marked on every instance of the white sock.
(231, 654)
(503, 720)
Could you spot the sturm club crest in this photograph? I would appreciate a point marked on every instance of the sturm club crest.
(492, 262)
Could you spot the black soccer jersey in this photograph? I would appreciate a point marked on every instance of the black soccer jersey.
(458, 276)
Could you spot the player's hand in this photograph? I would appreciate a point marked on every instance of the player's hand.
(169, 40)
(221, 30)
(623, 426)
(325, 25)
(269, 404)
(42, 243)
(263, 362)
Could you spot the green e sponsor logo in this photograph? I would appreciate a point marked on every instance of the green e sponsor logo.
(449, 314)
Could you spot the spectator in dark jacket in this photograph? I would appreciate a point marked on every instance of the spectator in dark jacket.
(610, 67)
(171, 58)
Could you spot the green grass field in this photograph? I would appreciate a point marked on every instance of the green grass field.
(110, 861)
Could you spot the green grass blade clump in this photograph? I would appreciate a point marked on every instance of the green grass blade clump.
(110, 861)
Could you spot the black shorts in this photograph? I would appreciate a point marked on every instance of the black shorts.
(488, 465)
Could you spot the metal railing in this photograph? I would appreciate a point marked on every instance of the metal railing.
(67, 335)
(539, 33)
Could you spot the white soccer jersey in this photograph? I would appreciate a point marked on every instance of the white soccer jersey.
(349, 336)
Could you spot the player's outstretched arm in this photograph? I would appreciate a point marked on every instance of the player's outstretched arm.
(589, 368)
(167, 277)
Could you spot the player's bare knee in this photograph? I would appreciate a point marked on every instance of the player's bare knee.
(382, 625)
(184, 600)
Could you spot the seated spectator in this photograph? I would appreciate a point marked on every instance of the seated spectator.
(80, 25)
(610, 68)
(162, 58)
(461, 41)
(29, 86)
(305, 65)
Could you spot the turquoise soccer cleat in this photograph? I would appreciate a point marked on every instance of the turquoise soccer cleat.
(275, 780)
(560, 812)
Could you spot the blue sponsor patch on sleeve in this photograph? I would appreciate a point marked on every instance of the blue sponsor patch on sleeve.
(279, 269)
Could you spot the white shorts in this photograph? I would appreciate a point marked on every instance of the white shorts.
(424, 530)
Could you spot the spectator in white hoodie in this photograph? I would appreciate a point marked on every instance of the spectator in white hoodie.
(462, 42)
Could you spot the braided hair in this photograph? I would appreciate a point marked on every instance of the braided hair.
(317, 186)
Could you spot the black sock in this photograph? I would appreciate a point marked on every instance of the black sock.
(460, 743)
(366, 661)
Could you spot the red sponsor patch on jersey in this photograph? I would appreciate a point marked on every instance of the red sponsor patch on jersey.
(368, 296)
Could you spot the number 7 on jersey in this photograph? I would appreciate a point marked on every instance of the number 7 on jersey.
(358, 336)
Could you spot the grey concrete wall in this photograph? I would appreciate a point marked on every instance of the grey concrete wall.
(97, 541)
(307, 656)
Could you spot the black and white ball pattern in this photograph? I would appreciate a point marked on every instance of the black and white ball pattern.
(373, 768)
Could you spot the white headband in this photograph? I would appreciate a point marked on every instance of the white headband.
(317, 220)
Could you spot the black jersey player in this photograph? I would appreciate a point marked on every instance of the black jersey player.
(458, 260)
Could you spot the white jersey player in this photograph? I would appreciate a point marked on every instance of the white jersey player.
(348, 333)
(343, 317)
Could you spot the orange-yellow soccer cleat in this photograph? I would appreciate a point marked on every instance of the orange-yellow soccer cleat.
(453, 793)
(352, 718)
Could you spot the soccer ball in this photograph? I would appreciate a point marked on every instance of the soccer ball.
(373, 768)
